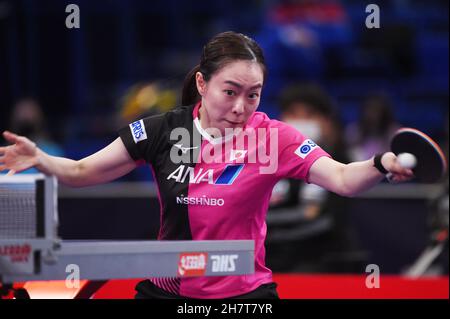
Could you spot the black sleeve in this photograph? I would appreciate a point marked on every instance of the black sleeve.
(142, 137)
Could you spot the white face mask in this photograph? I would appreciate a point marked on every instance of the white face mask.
(310, 129)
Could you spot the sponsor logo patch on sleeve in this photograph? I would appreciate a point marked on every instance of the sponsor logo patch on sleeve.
(307, 147)
(138, 131)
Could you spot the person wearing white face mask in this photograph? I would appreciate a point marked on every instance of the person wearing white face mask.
(308, 109)
(308, 127)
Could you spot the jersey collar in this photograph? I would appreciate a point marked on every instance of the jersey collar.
(205, 134)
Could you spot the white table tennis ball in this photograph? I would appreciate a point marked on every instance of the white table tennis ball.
(407, 160)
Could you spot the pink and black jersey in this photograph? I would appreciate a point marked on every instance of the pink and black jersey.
(217, 188)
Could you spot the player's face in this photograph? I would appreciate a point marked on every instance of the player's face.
(231, 96)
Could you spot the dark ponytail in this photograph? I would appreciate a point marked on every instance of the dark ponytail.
(190, 93)
(224, 48)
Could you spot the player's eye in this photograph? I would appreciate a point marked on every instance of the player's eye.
(229, 92)
(253, 96)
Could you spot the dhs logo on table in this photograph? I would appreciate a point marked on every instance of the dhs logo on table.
(306, 148)
(224, 263)
(138, 131)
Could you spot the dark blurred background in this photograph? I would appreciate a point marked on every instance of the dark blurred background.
(79, 75)
(129, 59)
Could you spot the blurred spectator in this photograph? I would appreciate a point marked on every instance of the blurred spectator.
(374, 129)
(143, 100)
(28, 119)
(322, 236)
(310, 110)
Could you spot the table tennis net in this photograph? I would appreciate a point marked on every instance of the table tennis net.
(20, 206)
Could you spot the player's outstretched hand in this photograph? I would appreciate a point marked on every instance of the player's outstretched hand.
(19, 156)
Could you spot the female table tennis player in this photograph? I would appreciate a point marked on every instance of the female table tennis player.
(223, 199)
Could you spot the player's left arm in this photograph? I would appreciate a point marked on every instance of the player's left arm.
(357, 177)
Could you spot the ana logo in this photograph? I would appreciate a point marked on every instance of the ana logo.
(306, 148)
(16, 253)
(192, 264)
(138, 131)
(224, 263)
(227, 177)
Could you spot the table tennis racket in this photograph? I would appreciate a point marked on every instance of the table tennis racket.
(431, 164)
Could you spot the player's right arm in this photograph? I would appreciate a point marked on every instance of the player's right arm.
(110, 163)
